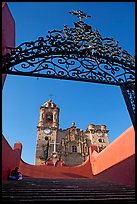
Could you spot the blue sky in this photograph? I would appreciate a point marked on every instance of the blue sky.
(81, 102)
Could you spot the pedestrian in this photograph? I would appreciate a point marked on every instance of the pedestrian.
(15, 174)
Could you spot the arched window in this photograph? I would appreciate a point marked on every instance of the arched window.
(49, 117)
(101, 140)
(74, 148)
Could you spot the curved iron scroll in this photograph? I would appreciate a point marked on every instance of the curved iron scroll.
(77, 53)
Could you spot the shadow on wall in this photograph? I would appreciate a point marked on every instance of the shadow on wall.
(122, 172)
(10, 157)
(8, 32)
(117, 161)
(73, 175)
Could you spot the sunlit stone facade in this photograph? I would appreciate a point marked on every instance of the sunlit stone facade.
(70, 145)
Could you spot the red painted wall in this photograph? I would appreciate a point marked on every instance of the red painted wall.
(43, 171)
(106, 165)
(8, 32)
(10, 157)
(122, 173)
(117, 162)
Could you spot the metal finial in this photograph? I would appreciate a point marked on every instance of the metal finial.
(80, 14)
(50, 95)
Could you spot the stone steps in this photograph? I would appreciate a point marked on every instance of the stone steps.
(85, 190)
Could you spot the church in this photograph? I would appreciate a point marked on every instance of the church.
(70, 145)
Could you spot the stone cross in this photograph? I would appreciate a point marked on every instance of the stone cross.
(80, 14)
(54, 143)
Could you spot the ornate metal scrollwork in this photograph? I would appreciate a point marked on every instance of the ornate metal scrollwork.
(131, 94)
(78, 53)
(128, 90)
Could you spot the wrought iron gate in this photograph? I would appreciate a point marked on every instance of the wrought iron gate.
(79, 53)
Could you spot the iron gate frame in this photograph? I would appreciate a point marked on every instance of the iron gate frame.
(78, 54)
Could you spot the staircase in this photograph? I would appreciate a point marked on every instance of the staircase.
(76, 189)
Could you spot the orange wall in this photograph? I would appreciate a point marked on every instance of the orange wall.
(119, 155)
(43, 171)
(122, 173)
(10, 157)
(116, 163)
(8, 32)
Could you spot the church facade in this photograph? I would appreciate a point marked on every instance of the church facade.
(71, 145)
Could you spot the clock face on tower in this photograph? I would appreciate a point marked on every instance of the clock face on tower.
(99, 133)
(47, 130)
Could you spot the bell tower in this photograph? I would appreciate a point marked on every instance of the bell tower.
(47, 131)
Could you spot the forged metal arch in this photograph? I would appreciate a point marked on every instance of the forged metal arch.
(77, 53)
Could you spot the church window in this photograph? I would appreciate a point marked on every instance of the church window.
(101, 148)
(74, 148)
(101, 140)
(49, 117)
(46, 138)
(62, 142)
(72, 137)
